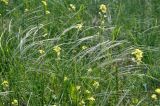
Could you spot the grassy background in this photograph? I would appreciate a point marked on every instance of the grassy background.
(42, 79)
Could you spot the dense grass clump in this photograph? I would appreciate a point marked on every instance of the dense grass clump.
(79, 52)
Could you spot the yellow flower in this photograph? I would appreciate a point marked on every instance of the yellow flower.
(96, 84)
(26, 10)
(5, 84)
(134, 100)
(154, 96)
(5, 2)
(103, 8)
(72, 7)
(47, 12)
(41, 51)
(57, 49)
(87, 91)
(79, 26)
(82, 102)
(84, 47)
(44, 3)
(78, 87)
(90, 70)
(157, 90)
(91, 99)
(138, 55)
(65, 78)
(15, 102)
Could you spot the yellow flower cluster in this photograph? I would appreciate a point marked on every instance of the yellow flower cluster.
(57, 49)
(91, 98)
(84, 47)
(154, 96)
(45, 6)
(5, 84)
(103, 8)
(96, 84)
(41, 51)
(138, 55)
(79, 26)
(5, 2)
(15, 102)
(72, 7)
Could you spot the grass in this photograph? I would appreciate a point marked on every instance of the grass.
(93, 65)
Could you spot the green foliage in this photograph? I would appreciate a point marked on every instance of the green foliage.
(94, 64)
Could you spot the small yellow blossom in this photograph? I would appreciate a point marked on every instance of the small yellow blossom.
(87, 91)
(138, 55)
(134, 100)
(82, 102)
(47, 12)
(79, 26)
(5, 2)
(103, 8)
(90, 70)
(44, 3)
(72, 7)
(57, 49)
(154, 96)
(78, 87)
(84, 47)
(91, 99)
(65, 78)
(157, 90)
(5, 84)
(41, 51)
(26, 10)
(96, 84)
(15, 102)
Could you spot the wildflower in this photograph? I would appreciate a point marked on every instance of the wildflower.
(47, 12)
(96, 84)
(5, 84)
(154, 96)
(157, 90)
(65, 78)
(90, 70)
(138, 55)
(134, 100)
(87, 91)
(15, 102)
(44, 3)
(82, 102)
(72, 7)
(78, 87)
(57, 49)
(41, 51)
(79, 26)
(26, 10)
(5, 2)
(84, 47)
(91, 99)
(103, 8)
